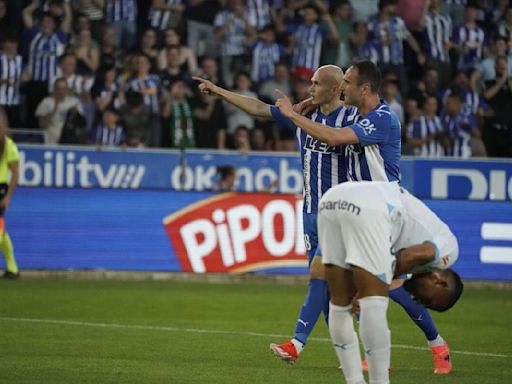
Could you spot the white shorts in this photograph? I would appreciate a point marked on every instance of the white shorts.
(356, 224)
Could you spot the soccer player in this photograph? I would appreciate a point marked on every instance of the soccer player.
(370, 232)
(322, 168)
(8, 162)
(372, 152)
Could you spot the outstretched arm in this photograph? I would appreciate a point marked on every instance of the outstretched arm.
(319, 131)
(250, 105)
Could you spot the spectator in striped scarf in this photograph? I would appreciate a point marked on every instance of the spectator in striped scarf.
(178, 126)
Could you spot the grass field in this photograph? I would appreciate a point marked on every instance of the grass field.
(65, 331)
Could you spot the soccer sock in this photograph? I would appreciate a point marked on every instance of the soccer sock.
(376, 337)
(344, 340)
(436, 342)
(8, 252)
(416, 312)
(311, 309)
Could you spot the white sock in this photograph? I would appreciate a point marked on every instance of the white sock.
(436, 342)
(298, 345)
(346, 345)
(376, 337)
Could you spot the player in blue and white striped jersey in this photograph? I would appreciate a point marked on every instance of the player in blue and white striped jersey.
(323, 167)
(373, 153)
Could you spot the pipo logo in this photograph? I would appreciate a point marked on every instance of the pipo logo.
(238, 233)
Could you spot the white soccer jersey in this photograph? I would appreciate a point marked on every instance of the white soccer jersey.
(420, 225)
(365, 224)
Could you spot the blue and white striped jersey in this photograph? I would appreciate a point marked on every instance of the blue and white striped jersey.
(120, 10)
(323, 165)
(377, 156)
(150, 81)
(257, 13)
(438, 31)
(459, 128)
(472, 41)
(367, 51)
(109, 137)
(388, 38)
(307, 46)
(10, 78)
(421, 128)
(44, 52)
(161, 19)
(233, 42)
(471, 101)
(264, 58)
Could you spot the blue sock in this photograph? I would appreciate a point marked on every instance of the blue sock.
(314, 304)
(416, 312)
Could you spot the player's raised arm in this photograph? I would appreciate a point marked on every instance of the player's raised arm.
(250, 105)
(318, 131)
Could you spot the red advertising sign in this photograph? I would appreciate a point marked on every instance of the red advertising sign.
(235, 232)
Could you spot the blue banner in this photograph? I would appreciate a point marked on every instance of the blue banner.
(85, 167)
(116, 229)
(463, 179)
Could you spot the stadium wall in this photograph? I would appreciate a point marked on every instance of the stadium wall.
(81, 208)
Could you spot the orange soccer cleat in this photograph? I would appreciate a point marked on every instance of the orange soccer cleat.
(442, 360)
(286, 352)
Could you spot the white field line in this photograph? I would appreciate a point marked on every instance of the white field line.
(214, 332)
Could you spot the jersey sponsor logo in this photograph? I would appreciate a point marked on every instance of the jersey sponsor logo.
(368, 126)
(315, 145)
(341, 205)
(238, 233)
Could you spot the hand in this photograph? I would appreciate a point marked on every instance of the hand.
(304, 107)
(284, 104)
(206, 86)
(4, 203)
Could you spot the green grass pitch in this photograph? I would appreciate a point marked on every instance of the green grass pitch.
(82, 331)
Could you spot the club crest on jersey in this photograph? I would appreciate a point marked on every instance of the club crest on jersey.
(315, 145)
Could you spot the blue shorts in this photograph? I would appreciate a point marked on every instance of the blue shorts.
(310, 235)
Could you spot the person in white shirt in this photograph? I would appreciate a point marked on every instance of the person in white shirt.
(52, 110)
(370, 233)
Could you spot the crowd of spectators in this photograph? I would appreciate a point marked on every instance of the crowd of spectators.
(119, 72)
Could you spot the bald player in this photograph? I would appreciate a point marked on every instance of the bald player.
(323, 167)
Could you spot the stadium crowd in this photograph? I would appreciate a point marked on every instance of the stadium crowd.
(119, 72)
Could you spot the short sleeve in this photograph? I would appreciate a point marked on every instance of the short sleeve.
(12, 152)
(373, 128)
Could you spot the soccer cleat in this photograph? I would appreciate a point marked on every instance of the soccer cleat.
(286, 352)
(10, 275)
(364, 366)
(442, 361)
